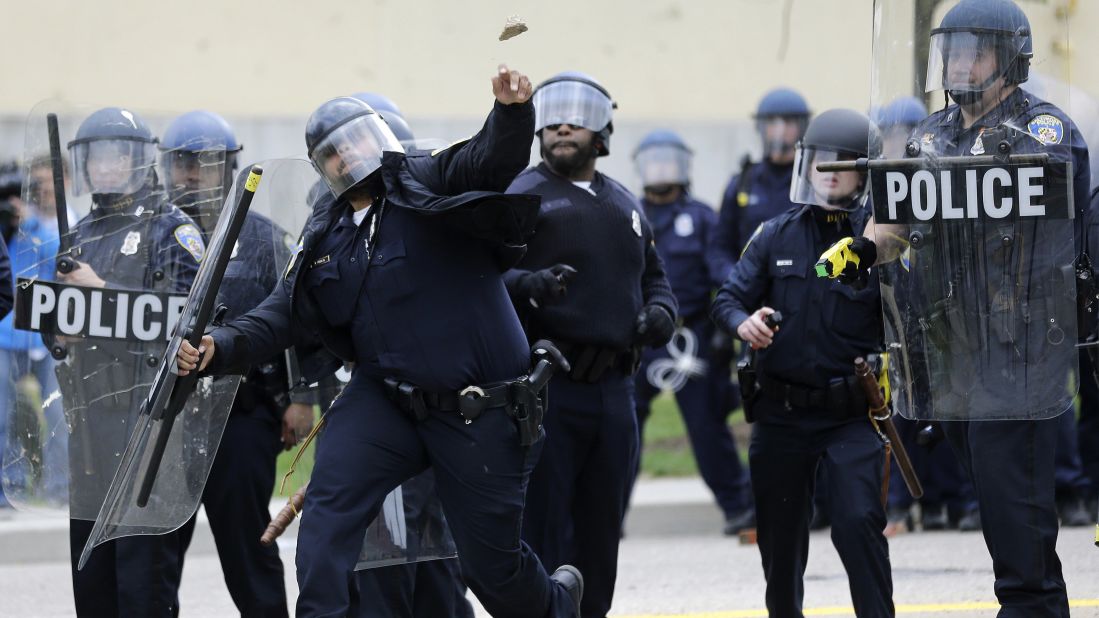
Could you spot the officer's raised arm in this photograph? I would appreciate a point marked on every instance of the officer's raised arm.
(495, 155)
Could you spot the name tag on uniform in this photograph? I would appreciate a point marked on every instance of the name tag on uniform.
(1007, 191)
(324, 260)
(781, 263)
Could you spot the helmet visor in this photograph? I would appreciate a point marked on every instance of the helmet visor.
(196, 179)
(112, 165)
(809, 185)
(779, 134)
(663, 164)
(570, 102)
(969, 61)
(353, 151)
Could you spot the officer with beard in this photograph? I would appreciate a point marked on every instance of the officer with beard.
(682, 229)
(132, 238)
(808, 409)
(399, 270)
(593, 283)
(199, 154)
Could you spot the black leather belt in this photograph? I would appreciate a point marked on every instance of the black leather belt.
(470, 402)
(842, 399)
(590, 362)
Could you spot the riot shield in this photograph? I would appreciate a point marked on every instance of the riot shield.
(103, 264)
(974, 212)
(167, 461)
(411, 527)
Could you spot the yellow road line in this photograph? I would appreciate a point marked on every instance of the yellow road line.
(923, 608)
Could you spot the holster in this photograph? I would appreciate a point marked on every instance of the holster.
(749, 387)
(528, 407)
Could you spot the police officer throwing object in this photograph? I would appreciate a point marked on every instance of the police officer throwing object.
(198, 157)
(682, 230)
(593, 283)
(987, 283)
(806, 404)
(399, 270)
(133, 238)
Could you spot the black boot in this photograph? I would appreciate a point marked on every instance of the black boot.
(740, 521)
(570, 577)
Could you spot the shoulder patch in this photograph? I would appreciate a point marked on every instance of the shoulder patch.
(188, 237)
(1046, 128)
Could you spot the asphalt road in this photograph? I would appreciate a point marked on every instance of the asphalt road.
(673, 564)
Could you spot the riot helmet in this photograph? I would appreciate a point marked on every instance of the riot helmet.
(114, 153)
(198, 155)
(345, 139)
(663, 159)
(781, 118)
(896, 120)
(390, 113)
(977, 43)
(577, 99)
(834, 135)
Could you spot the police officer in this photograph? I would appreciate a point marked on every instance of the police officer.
(980, 55)
(399, 271)
(682, 230)
(808, 408)
(761, 190)
(198, 157)
(419, 589)
(948, 499)
(593, 283)
(132, 238)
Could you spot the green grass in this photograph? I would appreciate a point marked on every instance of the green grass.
(666, 451)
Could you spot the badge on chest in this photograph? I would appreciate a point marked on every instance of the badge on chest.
(684, 225)
(636, 220)
(131, 243)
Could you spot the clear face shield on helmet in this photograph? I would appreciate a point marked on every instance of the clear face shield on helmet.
(780, 134)
(353, 151)
(663, 165)
(835, 190)
(570, 102)
(196, 179)
(111, 165)
(969, 61)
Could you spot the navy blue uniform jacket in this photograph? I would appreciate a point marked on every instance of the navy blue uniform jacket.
(438, 310)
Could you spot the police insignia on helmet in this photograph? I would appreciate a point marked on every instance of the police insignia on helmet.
(188, 237)
(1047, 129)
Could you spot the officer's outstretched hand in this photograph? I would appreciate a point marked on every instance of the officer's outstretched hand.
(655, 326)
(187, 358)
(849, 261)
(755, 330)
(511, 86)
(546, 285)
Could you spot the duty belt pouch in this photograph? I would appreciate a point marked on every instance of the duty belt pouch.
(749, 388)
(408, 398)
(839, 398)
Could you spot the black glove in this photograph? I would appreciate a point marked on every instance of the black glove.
(839, 261)
(546, 285)
(655, 326)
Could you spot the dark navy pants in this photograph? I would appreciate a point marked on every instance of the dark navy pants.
(418, 590)
(1011, 464)
(1087, 428)
(787, 446)
(944, 481)
(579, 489)
(370, 447)
(702, 403)
(421, 589)
(131, 576)
(236, 498)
